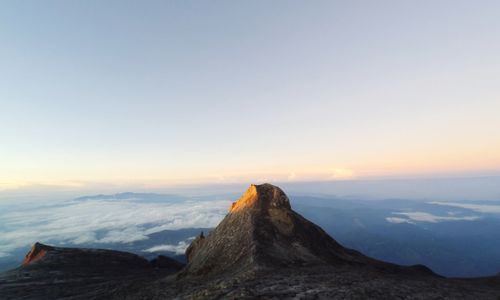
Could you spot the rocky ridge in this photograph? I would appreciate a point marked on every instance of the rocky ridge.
(262, 231)
(54, 272)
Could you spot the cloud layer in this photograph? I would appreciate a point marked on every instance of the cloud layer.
(179, 249)
(102, 221)
(397, 220)
(419, 216)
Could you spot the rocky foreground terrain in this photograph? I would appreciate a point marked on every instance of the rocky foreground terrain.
(262, 249)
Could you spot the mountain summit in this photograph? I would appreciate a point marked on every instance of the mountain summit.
(261, 231)
(262, 197)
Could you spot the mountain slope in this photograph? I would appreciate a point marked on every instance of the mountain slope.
(54, 272)
(262, 231)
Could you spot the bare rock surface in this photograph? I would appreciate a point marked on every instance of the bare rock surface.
(262, 231)
(71, 273)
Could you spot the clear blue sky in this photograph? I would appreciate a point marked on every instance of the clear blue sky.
(181, 91)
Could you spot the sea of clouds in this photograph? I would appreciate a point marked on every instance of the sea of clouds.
(103, 221)
(418, 216)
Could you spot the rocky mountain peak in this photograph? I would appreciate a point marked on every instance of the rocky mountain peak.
(262, 231)
(38, 250)
(263, 196)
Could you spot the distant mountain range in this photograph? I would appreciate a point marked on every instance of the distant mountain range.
(146, 197)
(261, 249)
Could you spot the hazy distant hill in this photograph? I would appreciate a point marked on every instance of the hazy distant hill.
(145, 197)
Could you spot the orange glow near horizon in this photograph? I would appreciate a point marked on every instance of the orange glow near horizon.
(297, 174)
(390, 159)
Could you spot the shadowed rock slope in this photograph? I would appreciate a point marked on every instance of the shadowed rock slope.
(54, 273)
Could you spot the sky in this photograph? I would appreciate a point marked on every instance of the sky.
(174, 92)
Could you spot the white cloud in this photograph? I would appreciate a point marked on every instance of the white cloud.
(397, 220)
(102, 221)
(180, 248)
(482, 208)
(427, 217)
(126, 235)
(85, 237)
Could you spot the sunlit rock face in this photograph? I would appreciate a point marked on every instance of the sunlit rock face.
(262, 196)
(37, 252)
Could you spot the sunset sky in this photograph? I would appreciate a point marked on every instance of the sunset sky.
(167, 92)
